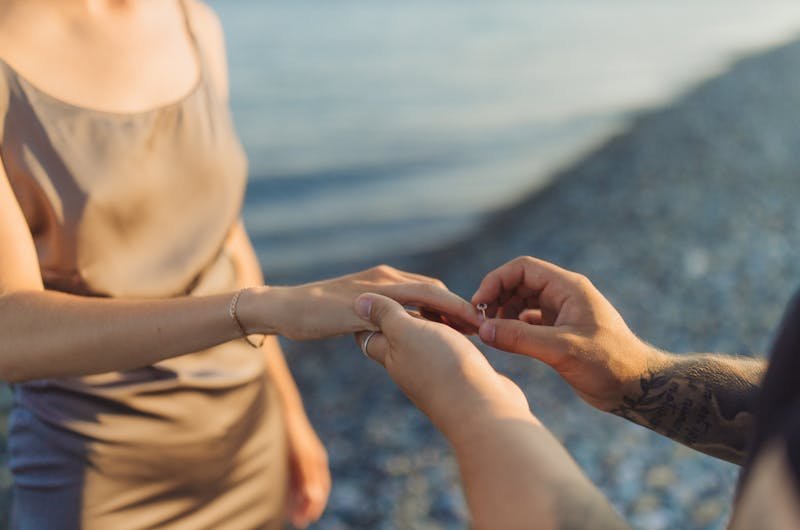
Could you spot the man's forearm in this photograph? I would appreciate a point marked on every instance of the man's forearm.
(703, 401)
(517, 476)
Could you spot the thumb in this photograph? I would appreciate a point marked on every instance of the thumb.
(515, 336)
(381, 311)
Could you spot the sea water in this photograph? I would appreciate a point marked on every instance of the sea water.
(377, 128)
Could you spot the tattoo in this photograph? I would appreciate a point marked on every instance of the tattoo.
(703, 401)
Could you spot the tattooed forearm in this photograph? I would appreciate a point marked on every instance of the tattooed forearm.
(703, 401)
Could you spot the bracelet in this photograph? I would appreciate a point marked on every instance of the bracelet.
(232, 313)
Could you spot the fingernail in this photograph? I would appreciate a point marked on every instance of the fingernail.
(364, 307)
(487, 332)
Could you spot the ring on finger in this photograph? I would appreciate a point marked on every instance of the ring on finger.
(365, 344)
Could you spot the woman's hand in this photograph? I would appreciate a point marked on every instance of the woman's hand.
(310, 477)
(325, 308)
(439, 369)
(559, 317)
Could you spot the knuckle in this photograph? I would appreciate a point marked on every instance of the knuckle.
(520, 260)
(583, 281)
(379, 312)
(375, 271)
(384, 271)
(429, 288)
(515, 336)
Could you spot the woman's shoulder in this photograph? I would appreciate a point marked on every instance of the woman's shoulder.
(204, 19)
(210, 36)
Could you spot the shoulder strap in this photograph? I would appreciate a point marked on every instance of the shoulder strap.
(205, 50)
(4, 97)
(197, 43)
(187, 22)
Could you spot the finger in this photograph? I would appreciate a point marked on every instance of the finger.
(425, 279)
(382, 311)
(432, 297)
(540, 342)
(532, 316)
(298, 513)
(455, 323)
(513, 307)
(320, 500)
(531, 273)
(313, 504)
(465, 328)
(525, 293)
(533, 302)
(376, 348)
(433, 316)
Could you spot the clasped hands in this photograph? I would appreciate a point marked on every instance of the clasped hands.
(534, 308)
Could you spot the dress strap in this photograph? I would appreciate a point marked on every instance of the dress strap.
(200, 46)
(5, 94)
(187, 22)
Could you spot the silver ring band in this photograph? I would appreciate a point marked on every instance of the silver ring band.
(365, 344)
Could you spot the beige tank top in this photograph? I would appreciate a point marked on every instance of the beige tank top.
(136, 206)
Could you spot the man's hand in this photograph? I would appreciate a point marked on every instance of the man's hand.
(704, 401)
(559, 317)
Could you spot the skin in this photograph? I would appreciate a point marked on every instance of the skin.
(538, 309)
(514, 473)
(130, 56)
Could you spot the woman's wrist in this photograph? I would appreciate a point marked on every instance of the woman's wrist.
(260, 309)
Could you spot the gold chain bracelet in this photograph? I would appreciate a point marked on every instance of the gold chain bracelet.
(255, 343)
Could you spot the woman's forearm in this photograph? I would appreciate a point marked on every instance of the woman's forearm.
(46, 334)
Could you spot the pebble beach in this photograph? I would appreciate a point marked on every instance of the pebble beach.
(687, 222)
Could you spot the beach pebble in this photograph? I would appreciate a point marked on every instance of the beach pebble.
(660, 477)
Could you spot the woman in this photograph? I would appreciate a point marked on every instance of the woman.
(120, 253)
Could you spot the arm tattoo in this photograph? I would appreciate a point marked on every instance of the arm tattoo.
(703, 401)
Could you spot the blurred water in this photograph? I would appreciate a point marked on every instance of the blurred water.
(379, 128)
